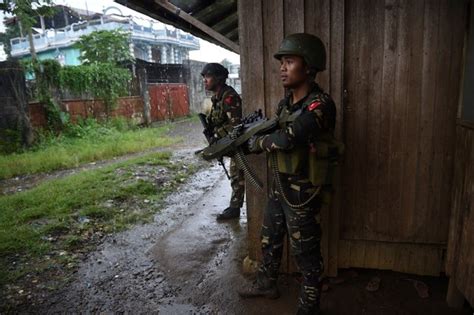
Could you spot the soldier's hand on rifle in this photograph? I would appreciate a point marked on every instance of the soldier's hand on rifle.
(254, 144)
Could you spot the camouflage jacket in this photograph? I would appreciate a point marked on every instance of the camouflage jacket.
(226, 110)
(315, 115)
(304, 147)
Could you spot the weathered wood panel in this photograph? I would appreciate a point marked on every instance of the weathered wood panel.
(253, 98)
(460, 259)
(273, 34)
(331, 227)
(398, 125)
(398, 62)
(403, 257)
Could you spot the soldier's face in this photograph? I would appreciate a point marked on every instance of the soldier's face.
(293, 71)
(210, 83)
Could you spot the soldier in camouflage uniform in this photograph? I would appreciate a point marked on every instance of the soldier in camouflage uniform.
(226, 112)
(302, 154)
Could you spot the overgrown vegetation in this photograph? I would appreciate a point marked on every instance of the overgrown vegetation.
(86, 141)
(47, 73)
(108, 47)
(104, 81)
(26, 13)
(42, 227)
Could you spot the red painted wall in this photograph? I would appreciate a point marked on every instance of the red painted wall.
(128, 107)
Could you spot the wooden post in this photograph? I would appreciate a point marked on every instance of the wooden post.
(454, 297)
(142, 78)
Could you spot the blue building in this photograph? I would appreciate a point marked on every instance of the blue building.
(150, 40)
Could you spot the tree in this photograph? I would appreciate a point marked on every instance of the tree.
(26, 12)
(11, 31)
(105, 47)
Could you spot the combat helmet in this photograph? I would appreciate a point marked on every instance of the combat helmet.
(215, 69)
(308, 46)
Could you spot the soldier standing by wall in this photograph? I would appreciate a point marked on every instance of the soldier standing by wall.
(302, 154)
(226, 112)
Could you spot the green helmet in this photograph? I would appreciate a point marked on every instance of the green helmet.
(308, 46)
(215, 69)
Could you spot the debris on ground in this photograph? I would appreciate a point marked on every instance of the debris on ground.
(373, 285)
(421, 288)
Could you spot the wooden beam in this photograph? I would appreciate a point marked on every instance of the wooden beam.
(454, 297)
(199, 25)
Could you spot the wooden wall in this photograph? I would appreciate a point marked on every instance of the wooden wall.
(394, 69)
(460, 259)
(262, 26)
(402, 69)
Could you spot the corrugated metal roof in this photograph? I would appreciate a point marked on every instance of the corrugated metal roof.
(220, 15)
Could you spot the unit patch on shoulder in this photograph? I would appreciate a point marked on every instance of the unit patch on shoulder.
(314, 105)
(228, 100)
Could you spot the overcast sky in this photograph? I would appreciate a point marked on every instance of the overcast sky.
(208, 52)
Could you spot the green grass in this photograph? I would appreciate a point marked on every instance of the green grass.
(58, 214)
(82, 144)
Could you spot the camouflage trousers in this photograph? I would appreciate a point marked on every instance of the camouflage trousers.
(304, 231)
(237, 182)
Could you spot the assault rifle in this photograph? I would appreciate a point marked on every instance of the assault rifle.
(234, 143)
(209, 134)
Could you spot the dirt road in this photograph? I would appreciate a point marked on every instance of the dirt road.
(186, 263)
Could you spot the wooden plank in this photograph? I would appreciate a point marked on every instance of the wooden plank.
(391, 256)
(359, 94)
(272, 37)
(316, 21)
(454, 297)
(387, 256)
(431, 43)
(336, 81)
(464, 273)
(457, 19)
(171, 8)
(456, 221)
(413, 102)
(349, 202)
(253, 97)
(389, 66)
(398, 124)
(294, 16)
(375, 33)
(435, 209)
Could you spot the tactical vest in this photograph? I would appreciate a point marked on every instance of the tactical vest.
(315, 161)
(218, 117)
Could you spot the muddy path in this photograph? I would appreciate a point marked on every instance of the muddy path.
(125, 274)
(188, 130)
(185, 262)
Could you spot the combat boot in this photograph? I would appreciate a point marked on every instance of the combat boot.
(262, 287)
(228, 214)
